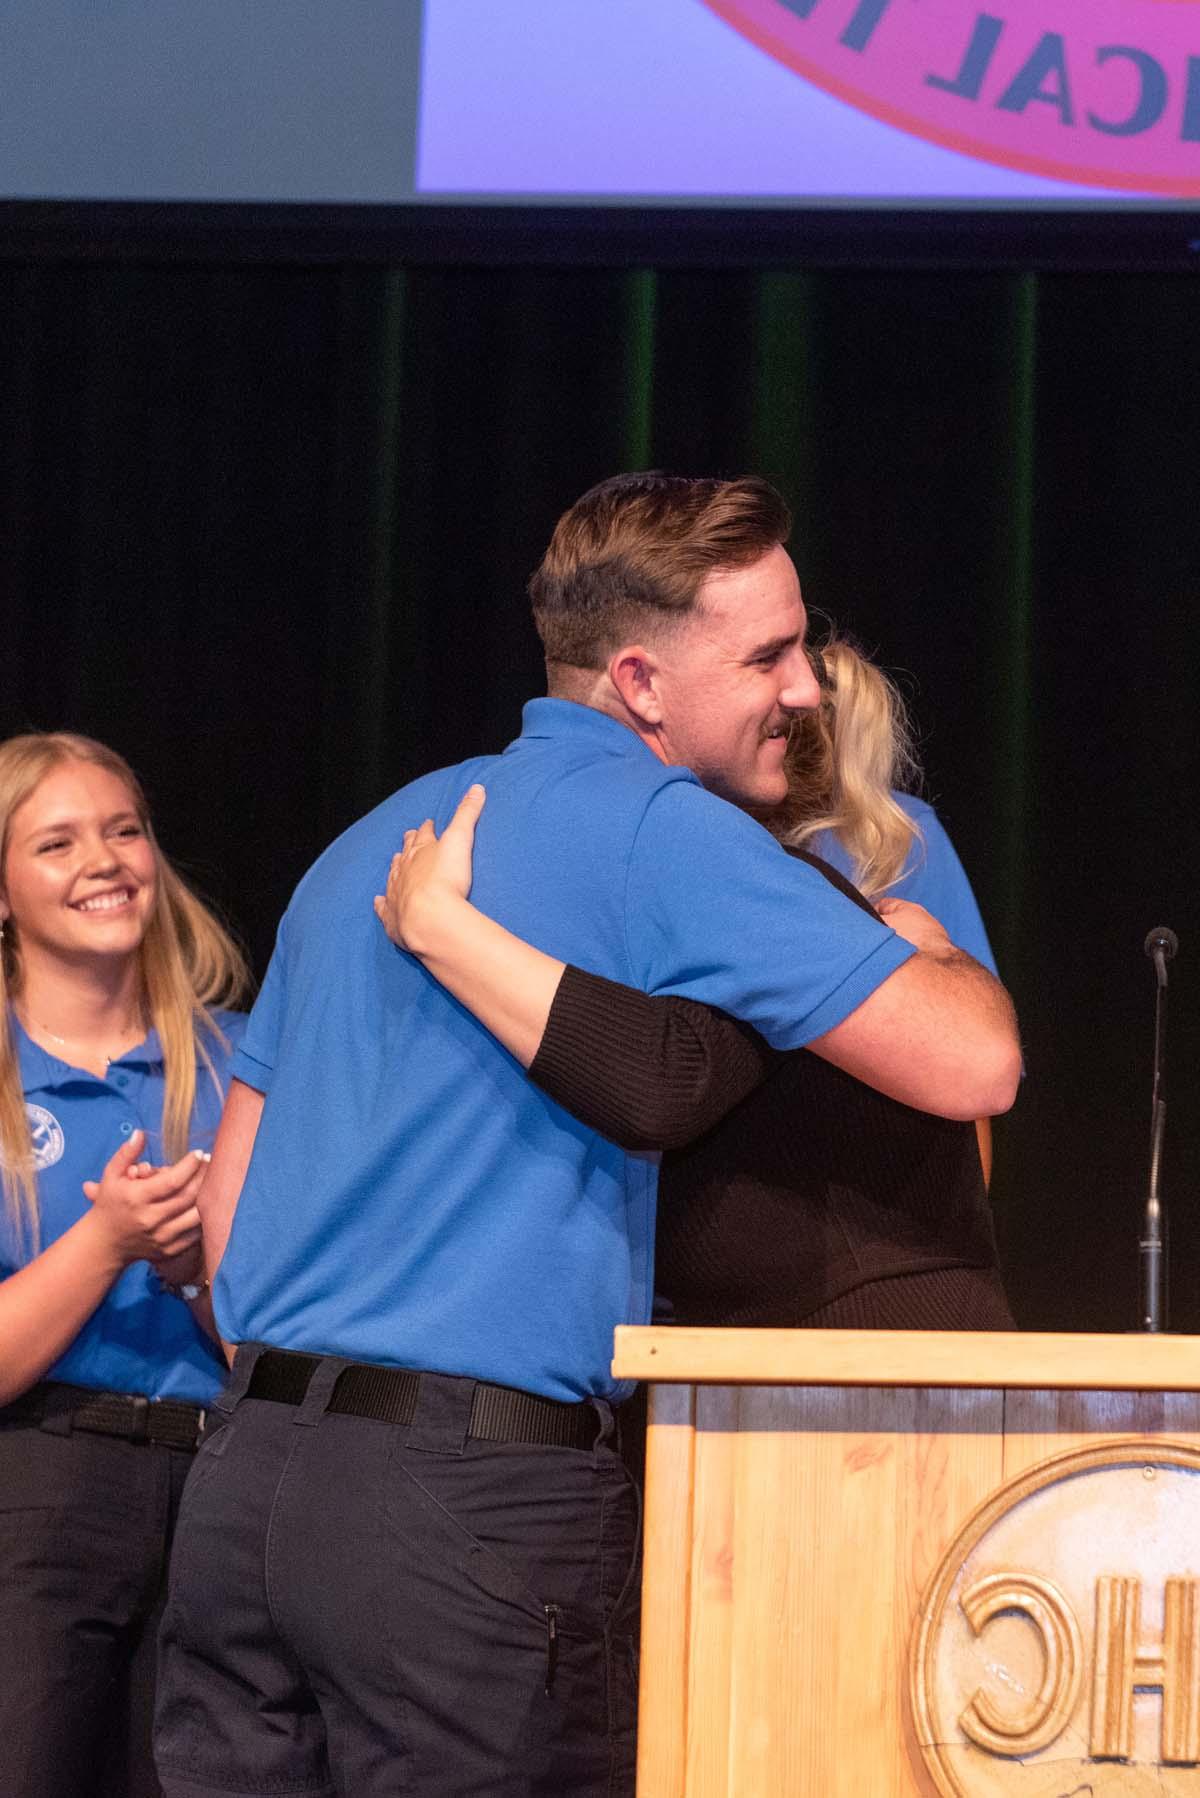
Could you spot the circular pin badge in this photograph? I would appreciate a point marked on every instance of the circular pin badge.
(47, 1135)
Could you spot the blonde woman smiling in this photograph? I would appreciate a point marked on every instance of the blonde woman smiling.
(112, 1068)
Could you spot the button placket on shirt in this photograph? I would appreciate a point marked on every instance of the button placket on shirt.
(124, 1082)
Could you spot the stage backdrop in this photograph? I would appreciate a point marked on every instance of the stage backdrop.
(267, 529)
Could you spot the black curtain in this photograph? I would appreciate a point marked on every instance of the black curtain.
(268, 529)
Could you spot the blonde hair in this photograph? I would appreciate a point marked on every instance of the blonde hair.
(843, 763)
(188, 963)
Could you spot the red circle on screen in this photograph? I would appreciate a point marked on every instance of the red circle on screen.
(1106, 94)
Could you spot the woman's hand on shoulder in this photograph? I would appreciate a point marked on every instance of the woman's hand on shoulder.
(145, 1213)
(916, 925)
(429, 874)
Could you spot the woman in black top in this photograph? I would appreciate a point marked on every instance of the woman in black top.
(790, 1193)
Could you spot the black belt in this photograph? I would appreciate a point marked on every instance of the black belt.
(168, 1422)
(389, 1395)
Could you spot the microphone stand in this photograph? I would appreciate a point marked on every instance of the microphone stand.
(1161, 945)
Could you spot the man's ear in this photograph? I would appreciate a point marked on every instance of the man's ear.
(635, 673)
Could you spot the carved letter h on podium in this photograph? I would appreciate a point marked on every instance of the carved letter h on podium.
(1123, 1663)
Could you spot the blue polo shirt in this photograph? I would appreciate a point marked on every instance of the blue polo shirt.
(413, 1199)
(140, 1339)
(932, 875)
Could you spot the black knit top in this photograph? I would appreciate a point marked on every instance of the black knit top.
(792, 1193)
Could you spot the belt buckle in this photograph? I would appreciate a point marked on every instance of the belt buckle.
(201, 1419)
(139, 1430)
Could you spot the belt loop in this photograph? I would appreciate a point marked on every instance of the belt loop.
(139, 1418)
(56, 1420)
(442, 1421)
(234, 1390)
(320, 1390)
(604, 1411)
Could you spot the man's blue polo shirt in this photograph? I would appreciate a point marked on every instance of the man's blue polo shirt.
(412, 1198)
(140, 1339)
(932, 875)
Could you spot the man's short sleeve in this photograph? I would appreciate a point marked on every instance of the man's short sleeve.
(256, 1055)
(717, 911)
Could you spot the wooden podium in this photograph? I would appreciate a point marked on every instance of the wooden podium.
(892, 1563)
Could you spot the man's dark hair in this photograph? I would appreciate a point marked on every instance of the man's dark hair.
(629, 557)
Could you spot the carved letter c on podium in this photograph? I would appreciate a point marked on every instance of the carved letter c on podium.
(1042, 1719)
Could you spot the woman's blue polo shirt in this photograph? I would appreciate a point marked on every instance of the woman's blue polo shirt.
(932, 875)
(140, 1339)
(413, 1199)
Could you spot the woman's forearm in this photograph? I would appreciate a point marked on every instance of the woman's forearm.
(506, 983)
(44, 1305)
(646, 1072)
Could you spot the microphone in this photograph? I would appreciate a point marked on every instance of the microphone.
(1161, 945)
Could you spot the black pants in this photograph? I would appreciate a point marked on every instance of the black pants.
(85, 1532)
(361, 1608)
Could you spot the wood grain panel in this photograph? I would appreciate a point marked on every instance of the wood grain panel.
(666, 1593)
(1038, 1425)
(821, 1513)
(908, 1358)
(710, 1658)
(801, 1494)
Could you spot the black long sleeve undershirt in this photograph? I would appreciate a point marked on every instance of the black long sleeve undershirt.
(787, 1185)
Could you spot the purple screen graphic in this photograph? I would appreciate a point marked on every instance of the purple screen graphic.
(830, 101)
